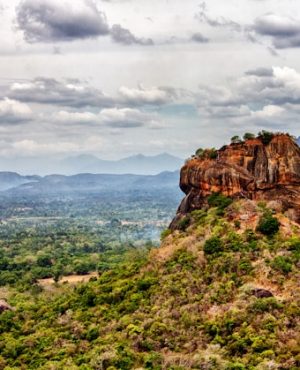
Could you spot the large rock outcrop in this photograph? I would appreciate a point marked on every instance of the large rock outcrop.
(251, 169)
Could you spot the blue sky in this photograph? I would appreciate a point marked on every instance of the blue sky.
(119, 77)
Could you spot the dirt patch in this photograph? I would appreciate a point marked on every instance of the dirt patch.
(71, 279)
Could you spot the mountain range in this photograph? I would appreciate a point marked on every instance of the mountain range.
(14, 184)
(137, 164)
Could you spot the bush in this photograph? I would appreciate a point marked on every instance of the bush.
(235, 366)
(213, 154)
(183, 223)
(248, 136)
(265, 136)
(262, 305)
(199, 152)
(213, 245)
(236, 140)
(219, 200)
(282, 264)
(165, 233)
(268, 225)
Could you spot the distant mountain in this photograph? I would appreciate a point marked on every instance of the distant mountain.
(137, 164)
(100, 183)
(298, 140)
(10, 180)
(84, 163)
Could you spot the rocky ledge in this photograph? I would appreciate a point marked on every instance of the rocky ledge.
(255, 169)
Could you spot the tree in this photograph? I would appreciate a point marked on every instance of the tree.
(236, 139)
(199, 152)
(266, 136)
(248, 136)
(268, 225)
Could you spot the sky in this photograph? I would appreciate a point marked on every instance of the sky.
(115, 78)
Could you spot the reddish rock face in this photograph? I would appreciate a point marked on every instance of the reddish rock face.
(251, 169)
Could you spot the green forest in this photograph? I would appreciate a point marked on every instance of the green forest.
(195, 303)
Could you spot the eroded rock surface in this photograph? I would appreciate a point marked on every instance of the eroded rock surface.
(251, 170)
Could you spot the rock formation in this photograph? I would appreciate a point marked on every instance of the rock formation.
(254, 169)
(4, 306)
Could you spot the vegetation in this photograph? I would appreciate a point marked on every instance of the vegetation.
(268, 225)
(266, 136)
(236, 140)
(219, 200)
(188, 305)
(60, 236)
(248, 136)
(210, 153)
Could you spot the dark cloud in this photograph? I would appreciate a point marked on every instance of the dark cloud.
(54, 21)
(48, 21)
(124, 36)
(198, 37)
(50, 91)
(284, 31)
(260, 72)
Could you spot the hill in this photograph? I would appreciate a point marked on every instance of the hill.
(93, 183)
(221, 293)
(218, 294)
(10, 180)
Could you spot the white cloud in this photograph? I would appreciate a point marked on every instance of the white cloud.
(111, 117)
(141, 95)
(268, 111)
(75, 117)
(13, 111)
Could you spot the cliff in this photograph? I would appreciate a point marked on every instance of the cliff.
(254, 169)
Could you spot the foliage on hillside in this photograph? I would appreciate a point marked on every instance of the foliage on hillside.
(218, 294)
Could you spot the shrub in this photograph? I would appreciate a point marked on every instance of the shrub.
(262, 305)
(268, 225)
(92, 334)
(199, 152)
(219, 200)
(235, 366)
(282, 264)
(236, 139)
(265, 136)
(165, 233)
(213, 153)
(213, 245)
(199, 215)
(248, 136)
(183, 223)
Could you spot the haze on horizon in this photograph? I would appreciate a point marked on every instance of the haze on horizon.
(113, 78)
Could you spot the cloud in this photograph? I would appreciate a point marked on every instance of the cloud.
(198, 37)
(53, 20)
(13, 111)
(50, 91)
(111, 117)
(223, 22)
(260, 94)
(75, 117)
(142, 96)
(31, 147)
(260, 72)
(283, 31)
(268, 111)
(124, 36)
